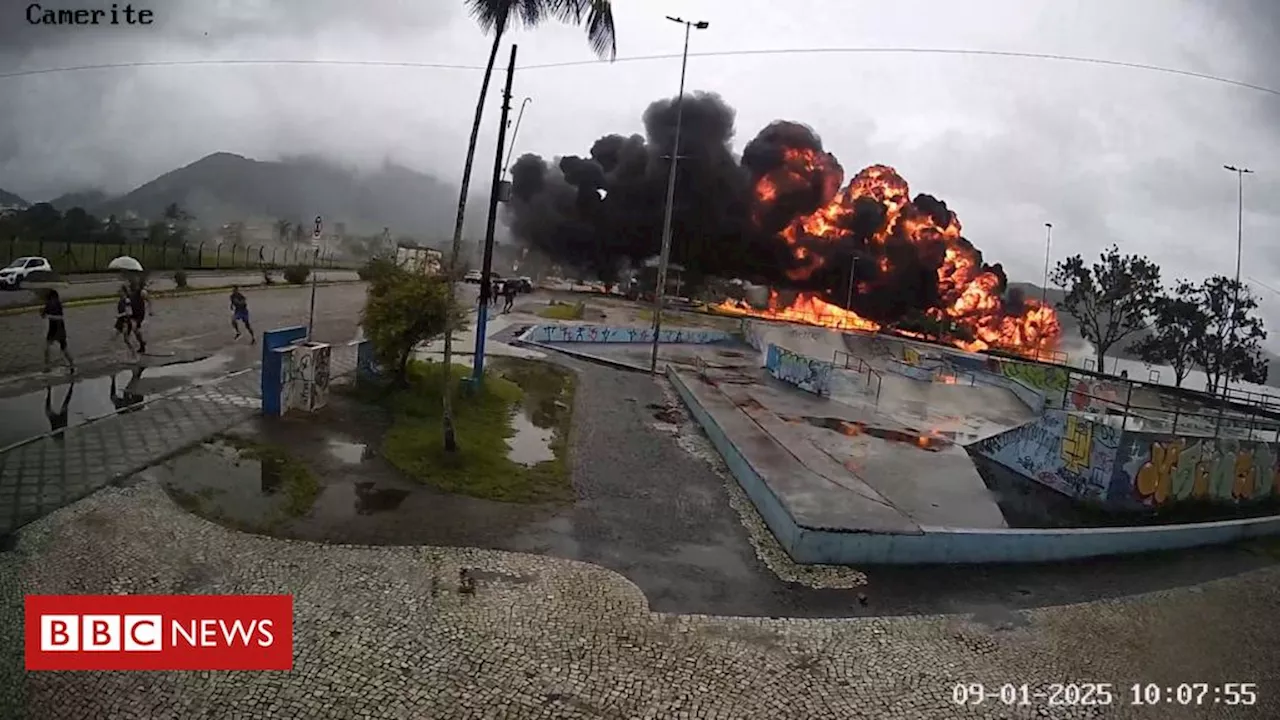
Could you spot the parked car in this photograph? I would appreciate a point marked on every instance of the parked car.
(472, 276)
(12, 275)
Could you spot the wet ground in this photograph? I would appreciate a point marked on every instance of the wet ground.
(69, 400)
(649, 509)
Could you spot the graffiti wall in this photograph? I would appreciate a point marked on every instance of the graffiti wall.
(803, 372)
(608, 334)
(1050, 382)
(1066, 452)
(1156, 470)
(304, 377)
(1095, 395)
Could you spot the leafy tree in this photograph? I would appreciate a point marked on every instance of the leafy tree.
(1111, 299)
(404, 309)
(1177, 323)
(496, 17)
(1230, 347)
(282, 230)
(78, 226)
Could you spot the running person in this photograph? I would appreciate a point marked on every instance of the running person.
(57, 330)
(240, 313)
(139, 303)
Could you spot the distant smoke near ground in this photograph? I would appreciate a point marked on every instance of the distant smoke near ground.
(780, 215)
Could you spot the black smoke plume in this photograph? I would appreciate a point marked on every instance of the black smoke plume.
(744, 217)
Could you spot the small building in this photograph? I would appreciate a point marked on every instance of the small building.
(419, 258)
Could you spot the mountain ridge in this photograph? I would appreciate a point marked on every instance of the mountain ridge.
(225, 187)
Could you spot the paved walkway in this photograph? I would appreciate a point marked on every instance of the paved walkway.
(46, 474)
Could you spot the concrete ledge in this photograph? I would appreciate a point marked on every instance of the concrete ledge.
(587, 333)
(589, 357)
(950, 545)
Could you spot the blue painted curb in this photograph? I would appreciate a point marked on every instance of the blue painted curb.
(950, 545)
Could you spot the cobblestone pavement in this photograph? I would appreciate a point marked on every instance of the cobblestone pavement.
(383, 633)
(174, 321)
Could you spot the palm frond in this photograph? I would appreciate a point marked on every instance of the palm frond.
(595, 15)
(491, 15)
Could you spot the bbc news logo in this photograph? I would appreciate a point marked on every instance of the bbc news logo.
(159, 632)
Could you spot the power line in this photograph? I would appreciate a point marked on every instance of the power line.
(1005, 54)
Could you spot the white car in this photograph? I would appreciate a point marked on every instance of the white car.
(472, 276)
(12, 275)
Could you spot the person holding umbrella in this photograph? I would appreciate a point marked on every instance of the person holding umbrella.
(135, 293)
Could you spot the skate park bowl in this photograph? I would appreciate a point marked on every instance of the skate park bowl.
(860, 448)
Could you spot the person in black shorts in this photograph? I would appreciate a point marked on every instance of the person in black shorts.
(139, 303)
(240, 314)
(57, 330)
(508, 295)
(124, 318)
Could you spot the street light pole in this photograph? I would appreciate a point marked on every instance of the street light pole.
(665, 255)
(1044, 287)
(514, 134)
(1235, 293)
(853, 269)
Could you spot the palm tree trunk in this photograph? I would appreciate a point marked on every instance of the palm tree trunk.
(457, 234)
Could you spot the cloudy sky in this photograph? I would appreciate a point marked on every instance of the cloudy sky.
(1105, 154)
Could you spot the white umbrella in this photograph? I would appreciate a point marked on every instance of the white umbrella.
(125, 263)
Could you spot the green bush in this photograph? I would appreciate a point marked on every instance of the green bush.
(297, 274)
(180, 278)
(375, 268)
(404, 309)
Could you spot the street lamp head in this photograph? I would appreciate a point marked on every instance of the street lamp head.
(702, 25)
(1048, 225)
(674, 19)
(1229, 167)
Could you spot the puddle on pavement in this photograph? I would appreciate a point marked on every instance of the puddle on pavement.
(932, 442)
(343, 499)
(217, 482)
(351, 453)
(68, 401)
(530, 444)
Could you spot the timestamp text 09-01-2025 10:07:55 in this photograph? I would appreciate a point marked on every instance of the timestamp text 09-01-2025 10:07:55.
(1102, 694)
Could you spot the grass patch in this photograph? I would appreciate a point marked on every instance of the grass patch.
(561, 311)
(482, 423)
(298, 485)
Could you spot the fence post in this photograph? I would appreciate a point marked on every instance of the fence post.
(200, 255)
(217, 257)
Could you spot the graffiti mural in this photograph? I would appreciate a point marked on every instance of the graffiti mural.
(304, 377)
(1051, 382)
(1070, 454)
(608, 334)
(803, 372)
(1094, 395)
(1159, 470)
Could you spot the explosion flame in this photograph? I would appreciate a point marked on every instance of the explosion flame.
(859, 256)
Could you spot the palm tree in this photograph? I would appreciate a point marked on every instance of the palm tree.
(496, 16)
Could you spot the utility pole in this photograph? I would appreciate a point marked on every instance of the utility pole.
(1044, 286)
(486, 268)
(664, 256)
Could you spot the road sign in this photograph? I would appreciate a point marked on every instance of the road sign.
(315, 237)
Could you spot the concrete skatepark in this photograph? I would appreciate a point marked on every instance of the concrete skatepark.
(862, 448)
